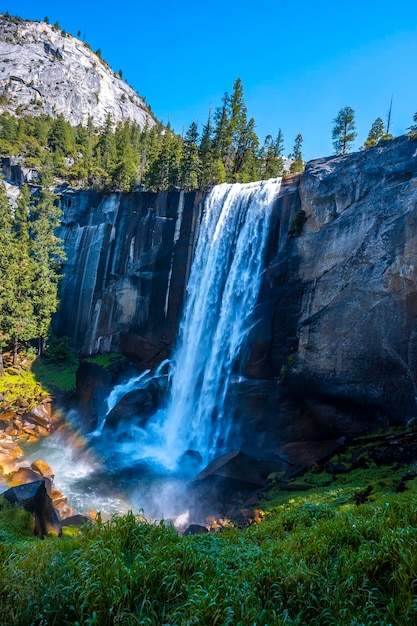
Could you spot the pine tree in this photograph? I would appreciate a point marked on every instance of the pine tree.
(106, 153)
(207, 154)
(236, 130)
(6, 267)
(412, 131)
(376, 133)
(23, 273)
(298, 164)
(344, 130)
(190, 161)
(48, 254)
(221, 141)
(164, 171)
(272, 162)
(125, 172)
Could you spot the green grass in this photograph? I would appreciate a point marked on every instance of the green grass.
(55, 375)
(106, 360)
(317, 559)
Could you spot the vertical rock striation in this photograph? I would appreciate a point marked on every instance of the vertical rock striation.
(128, 261)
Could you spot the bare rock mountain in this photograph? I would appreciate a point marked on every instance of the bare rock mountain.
(45, 70)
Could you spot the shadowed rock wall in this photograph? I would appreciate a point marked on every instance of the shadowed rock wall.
(128, 260)
(335, 346)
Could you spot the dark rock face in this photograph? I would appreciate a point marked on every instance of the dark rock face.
(338, 309)
(128, 262)
(333, 349)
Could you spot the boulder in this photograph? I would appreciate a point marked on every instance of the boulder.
(43, 469)
(195, 529)
(136, 407)
(307, 453)
(33, 497)
(243, 468)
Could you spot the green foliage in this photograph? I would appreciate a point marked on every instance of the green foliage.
(31, 258)
(412, 131)
(106, 360)
(376, 133)
(297, 224)
(18, 383)
(59, 349)
(118, 157)
(344, 130)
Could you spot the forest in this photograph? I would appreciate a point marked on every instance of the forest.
(122, 157)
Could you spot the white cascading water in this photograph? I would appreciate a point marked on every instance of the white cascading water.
(221, 295)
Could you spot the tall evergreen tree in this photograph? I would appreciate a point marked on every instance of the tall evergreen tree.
(21, 274)
(190, 161)
(6, 267)
(272, 162)
(164, 171)
(298, 164)
(222, 140)
(48, 254)
(207, 154)
(125, 172)
(344, 130)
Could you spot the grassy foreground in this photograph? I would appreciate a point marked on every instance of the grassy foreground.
(318, 557)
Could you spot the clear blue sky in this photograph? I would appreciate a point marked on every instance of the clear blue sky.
(300, 62)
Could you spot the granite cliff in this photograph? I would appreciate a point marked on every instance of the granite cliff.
(334, 348)
(45, 70)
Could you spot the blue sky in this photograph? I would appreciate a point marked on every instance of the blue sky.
(300, 62)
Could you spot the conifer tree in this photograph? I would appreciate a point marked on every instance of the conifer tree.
(190, 161)
(48, 255)
(207, 155)
(272, 163)
(298, 164)
(21, 276)
(6, 266)
(344, 130)
(375, 134)
(412, 131)
(164, 171)
(125, 170)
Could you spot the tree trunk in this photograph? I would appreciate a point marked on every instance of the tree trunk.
(41, 345)
(16, 345)
(1, 362)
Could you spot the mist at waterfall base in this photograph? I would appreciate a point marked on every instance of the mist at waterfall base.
(148, 465)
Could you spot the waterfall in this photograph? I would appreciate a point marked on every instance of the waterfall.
(221, 294)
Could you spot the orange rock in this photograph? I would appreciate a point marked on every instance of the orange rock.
(5, 417)
(43, 468)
